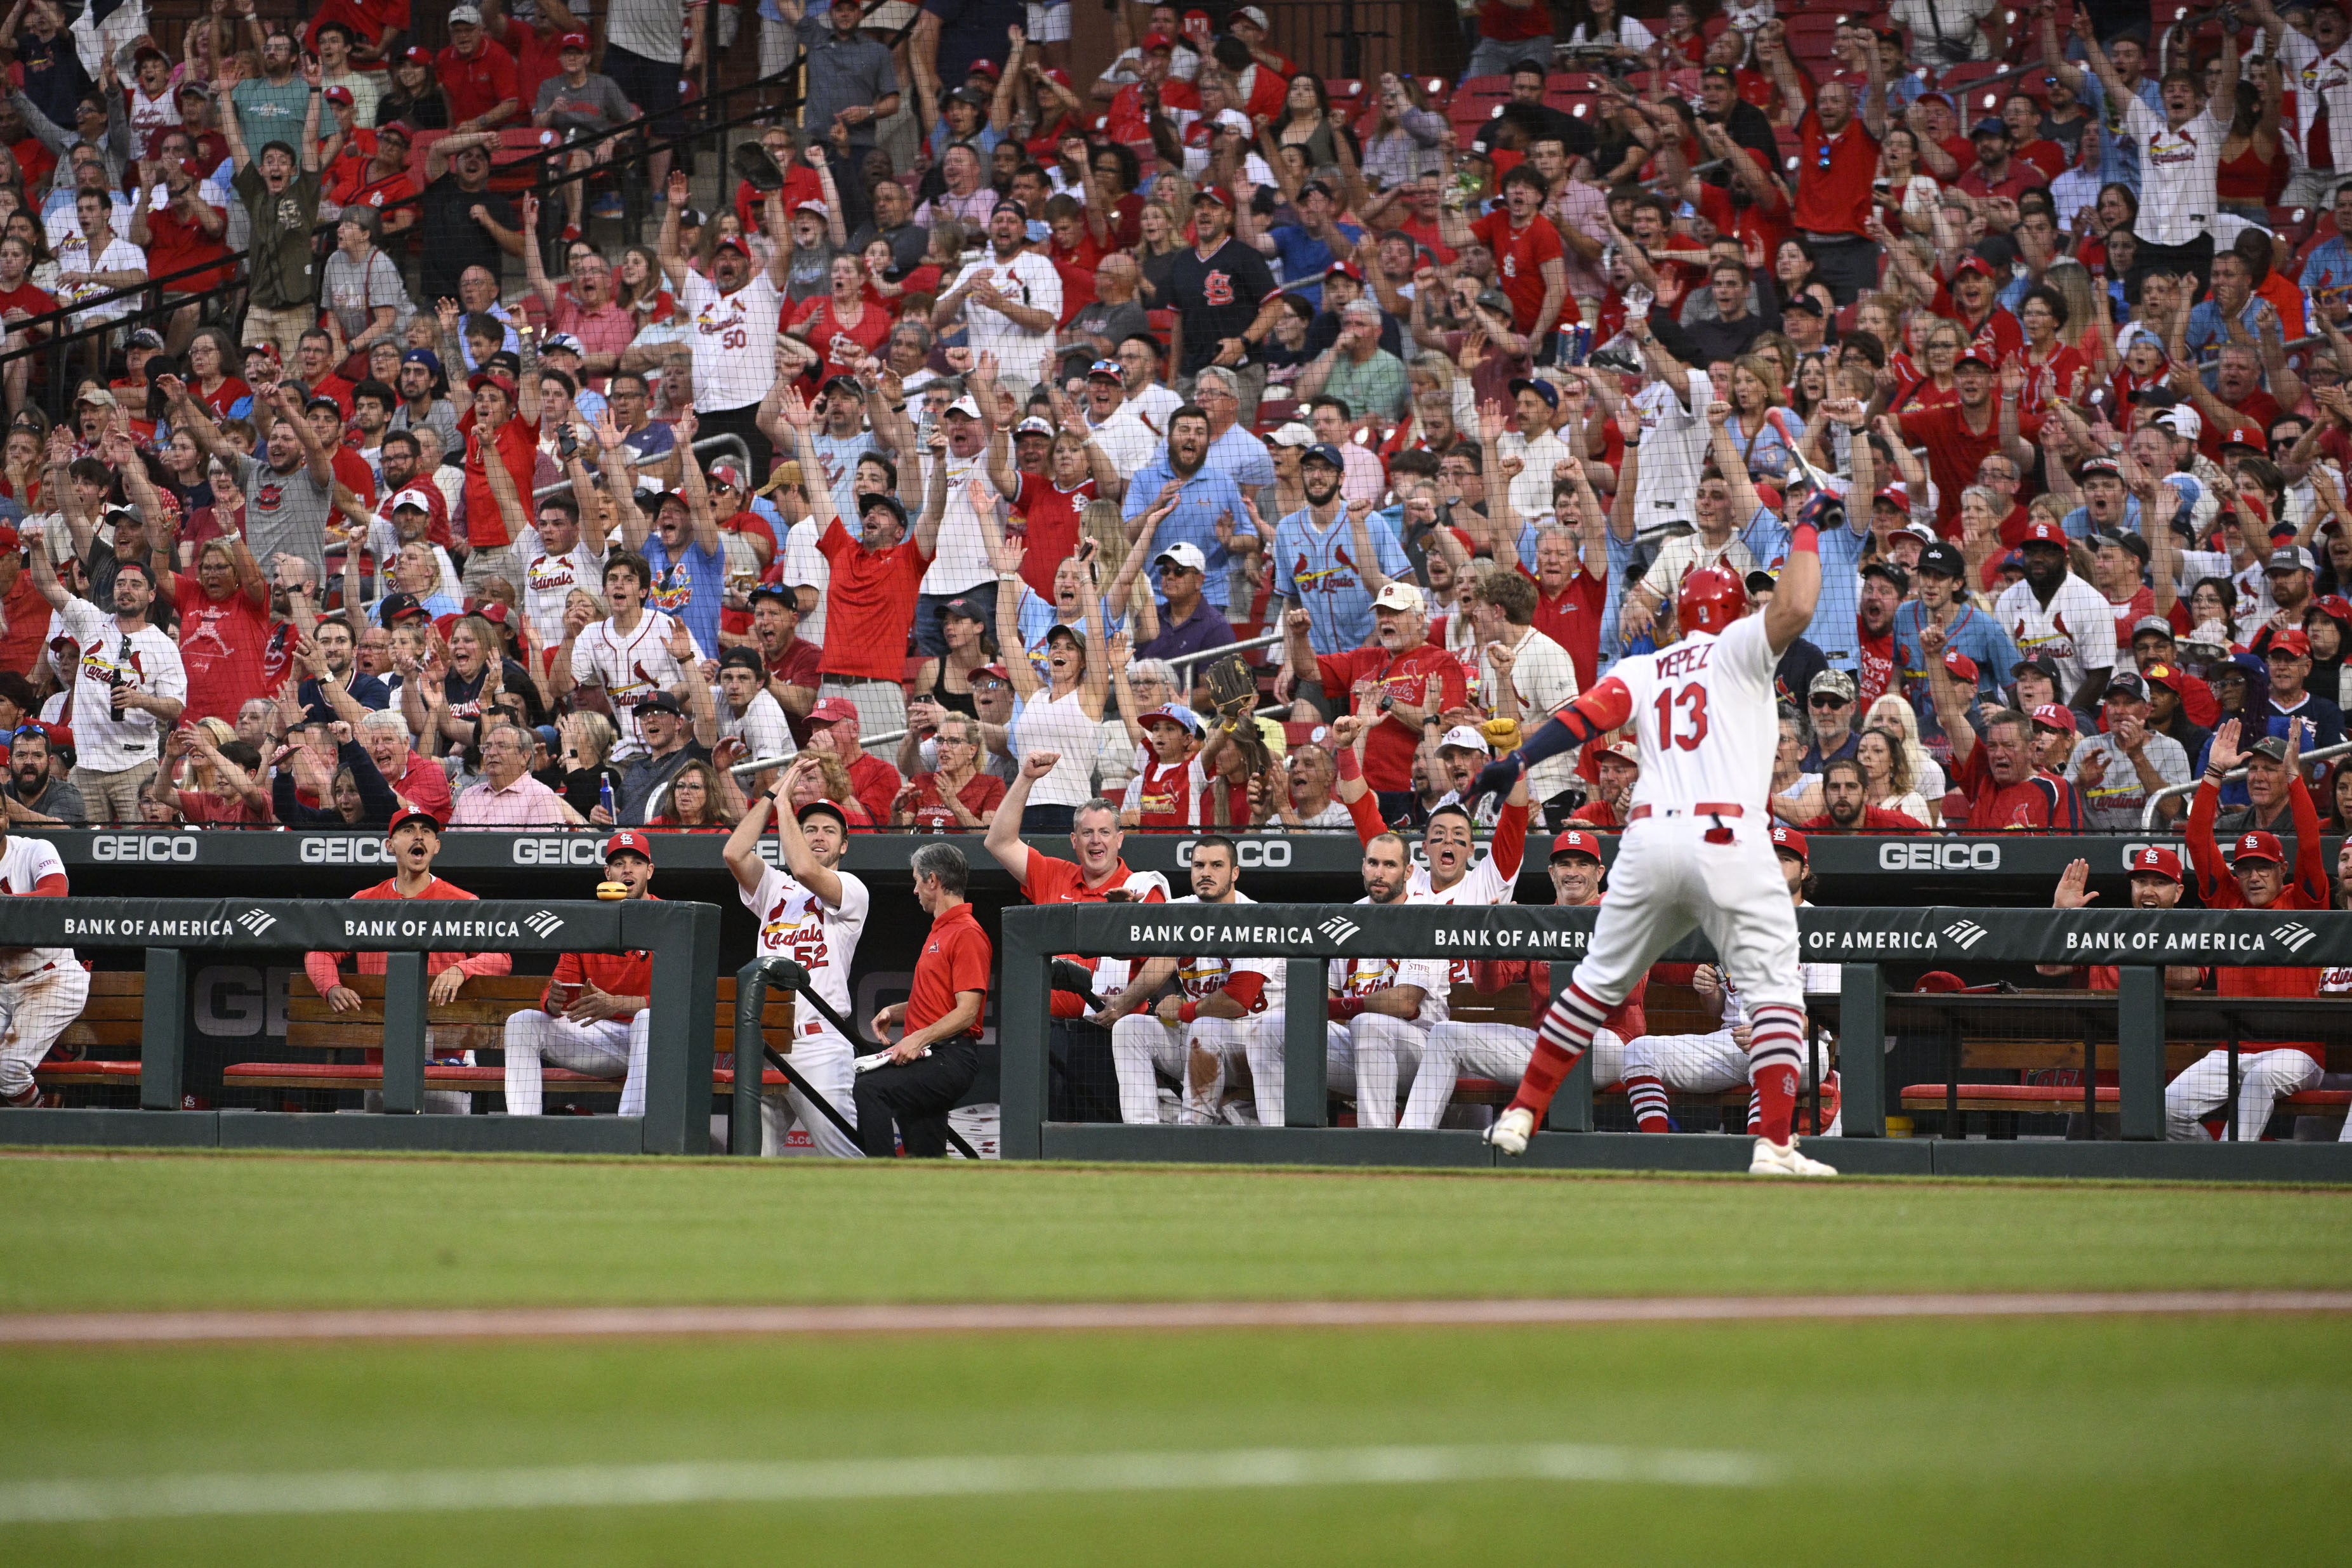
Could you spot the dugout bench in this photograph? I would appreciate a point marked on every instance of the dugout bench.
(149, 1008)
(2043, 1052)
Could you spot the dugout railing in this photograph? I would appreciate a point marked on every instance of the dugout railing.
(681, 937)
(1864, 943)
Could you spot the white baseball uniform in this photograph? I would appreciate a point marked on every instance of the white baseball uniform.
(822, 938)
(1141, 1046)
(1364, 1055)
(2076, 630)
(42, 989)
(1675, 438)
(630, 666)
(1711, 1063)
(608, 1047)
(1697, 847)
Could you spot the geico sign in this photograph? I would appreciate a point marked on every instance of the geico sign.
(331, 851)
(1939, 857)
(557, 852)
(1273, 854)
(178, 846)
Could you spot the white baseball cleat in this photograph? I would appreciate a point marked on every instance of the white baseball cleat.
(1782, 1159)
(1511, 1130)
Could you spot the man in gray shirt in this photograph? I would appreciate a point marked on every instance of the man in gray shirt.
(2118, 770)
(289, 495)
(850, 77)
(30, 796)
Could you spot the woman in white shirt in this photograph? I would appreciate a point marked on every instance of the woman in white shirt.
(1061, 712)
(1892, 714)
(1597, 23)
(1901, 191)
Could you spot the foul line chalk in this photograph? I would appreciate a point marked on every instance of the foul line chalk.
(545, 1323)
(838, 1480)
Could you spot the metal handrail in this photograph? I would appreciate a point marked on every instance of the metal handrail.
(1187, 661)
(2174, 791)
(727, 439)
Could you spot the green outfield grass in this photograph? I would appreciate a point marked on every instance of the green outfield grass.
(2046, 1441)
(202, 1231)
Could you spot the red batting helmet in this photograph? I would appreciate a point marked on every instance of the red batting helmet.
(1712, 597)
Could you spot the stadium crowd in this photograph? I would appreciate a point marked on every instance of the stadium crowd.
(942, 442)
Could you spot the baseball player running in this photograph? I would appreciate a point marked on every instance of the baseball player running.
(593, 1015)
(1502, 1051)
(41, 989)
(1381, 1011)
(1698, 848)
(812, 913)
(1199, 1037)
(1711, 1063)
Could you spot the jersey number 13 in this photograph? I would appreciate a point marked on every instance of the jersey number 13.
(1692, 700)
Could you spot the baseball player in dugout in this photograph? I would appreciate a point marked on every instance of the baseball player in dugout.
(1484, 1049)
(41, 989)
(593, 1015)
(1200, 1034)
(812, 913)
(1718, 1060)
(1697, 848)
(415, 837)
(1381, 1011)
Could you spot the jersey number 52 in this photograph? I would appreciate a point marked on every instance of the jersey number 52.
(1692, 700)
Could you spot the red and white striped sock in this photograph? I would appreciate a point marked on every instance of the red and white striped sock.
(1648, 1097)
(1775, 1052)
(1565, 1034)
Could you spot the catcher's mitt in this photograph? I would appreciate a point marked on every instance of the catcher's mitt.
(1502, 734)
(1233, 690)
(756, 166)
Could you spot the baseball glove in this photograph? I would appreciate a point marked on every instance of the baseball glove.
(1502, 734)
(1233, 690)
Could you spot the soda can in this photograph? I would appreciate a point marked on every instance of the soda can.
(1583, 331)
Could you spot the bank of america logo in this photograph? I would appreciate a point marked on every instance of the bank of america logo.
(2292, 937)
(256, 921)
(545, 923)
(1338, 929)
(1967, 933)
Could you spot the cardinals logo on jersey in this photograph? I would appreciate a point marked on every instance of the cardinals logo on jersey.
(269, 497)
(673, 593)
(1217, 289)
(2058, 645)
(550, 574)
(795, 933)
(1339, 575)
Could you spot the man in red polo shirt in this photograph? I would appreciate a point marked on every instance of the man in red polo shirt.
(1096, 875)
(1837, 161)
(2006, 792)
(1959, 438)
(478, 76)
(2256, 878)
(917, 1081)
(1568, 599)
(1388, 686)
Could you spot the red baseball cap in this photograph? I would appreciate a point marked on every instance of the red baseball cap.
(2156, 861)
(572, 41)
(2291, 642)
(1155, 41)
(629, 842)
(2244, 435)
(833, 710)
(1790, 839)
(340, 95)
(2043, 531)
(1962, 666)
(1216, 194)
(2260, 846)
(1575, 840)
(408, 814)
(2164, 675)
(1975, 263)
(1898, 492)
(60, 735)
(2055, 715)
(2335, 606)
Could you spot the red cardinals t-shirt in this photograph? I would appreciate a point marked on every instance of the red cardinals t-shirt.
(1877, 673)
(842, 345)
(1045, 517)
(1520, 257)
(1390, 743)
